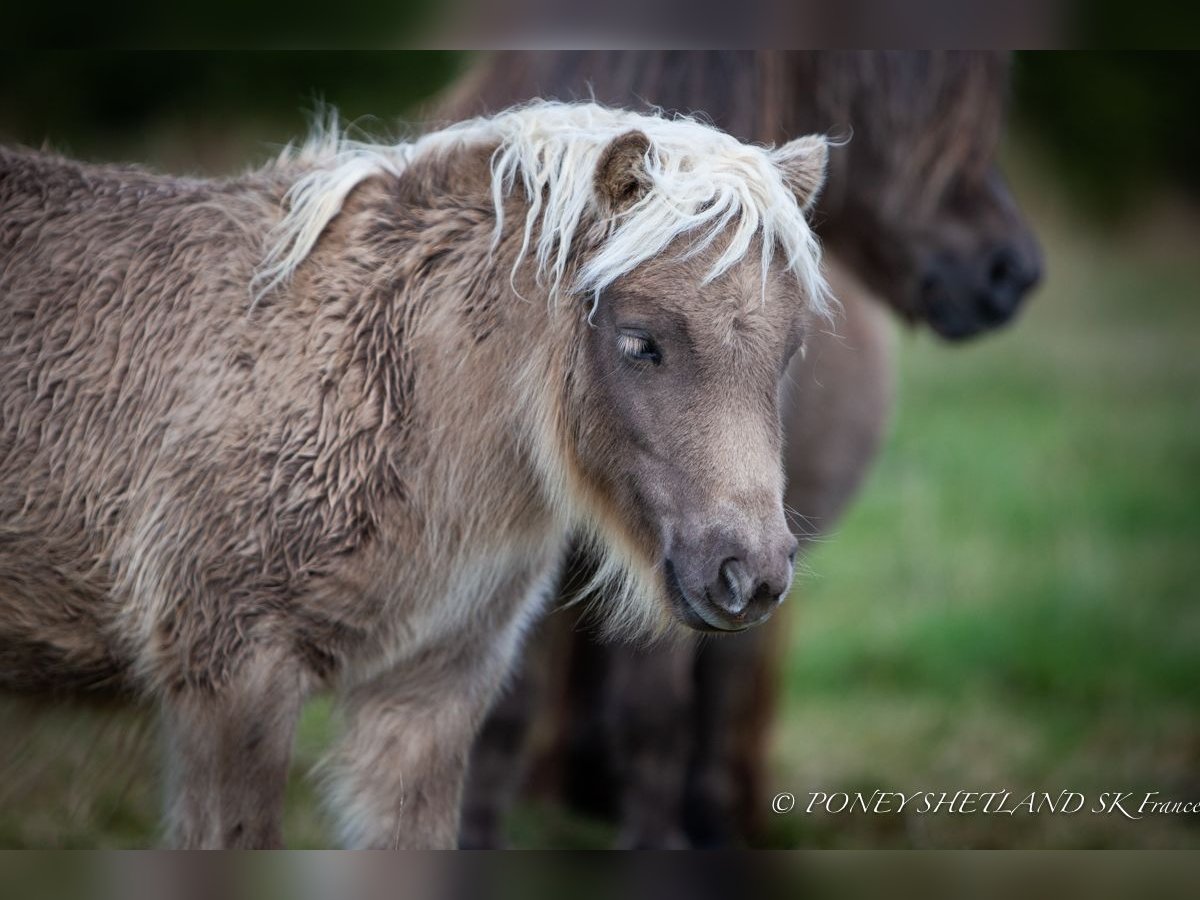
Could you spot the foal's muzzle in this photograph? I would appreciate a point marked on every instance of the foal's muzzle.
(726, 587)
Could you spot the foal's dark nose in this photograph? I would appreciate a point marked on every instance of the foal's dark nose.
(964, 296)
(732, 590)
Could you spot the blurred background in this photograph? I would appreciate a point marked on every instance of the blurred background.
(1010, 603)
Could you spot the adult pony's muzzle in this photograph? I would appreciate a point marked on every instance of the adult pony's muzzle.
(964, 297)
(726, 587)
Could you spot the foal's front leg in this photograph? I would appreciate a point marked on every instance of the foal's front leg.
(229, 747)
(398, 775)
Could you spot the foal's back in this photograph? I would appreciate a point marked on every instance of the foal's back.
(113, 286)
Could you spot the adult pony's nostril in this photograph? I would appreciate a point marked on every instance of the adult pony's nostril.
(1012, 270)
(1006, 280)
(1002, 270)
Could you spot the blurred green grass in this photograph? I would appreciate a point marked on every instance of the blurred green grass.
(1010, 604)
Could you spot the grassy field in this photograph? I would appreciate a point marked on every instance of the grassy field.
(1010, 605)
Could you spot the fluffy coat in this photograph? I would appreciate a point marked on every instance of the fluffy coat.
(362, 478)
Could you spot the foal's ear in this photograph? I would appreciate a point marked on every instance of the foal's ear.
(621, 177)
(803, 163)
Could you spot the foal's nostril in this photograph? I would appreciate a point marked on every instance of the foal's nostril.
(732, 592)
(738, 593)
(764, 594)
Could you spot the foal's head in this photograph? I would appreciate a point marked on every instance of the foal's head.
(677, 274)
(674, 404)
(679, 437)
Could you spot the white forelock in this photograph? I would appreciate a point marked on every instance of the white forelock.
(701, 181)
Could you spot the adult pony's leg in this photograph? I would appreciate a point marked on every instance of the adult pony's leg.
(735, 685)
(228, 750)
(587, 770)
(652, 697)
(835, 422)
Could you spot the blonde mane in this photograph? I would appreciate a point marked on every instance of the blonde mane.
(701, 181)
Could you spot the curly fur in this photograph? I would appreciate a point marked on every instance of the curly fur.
(355, 481)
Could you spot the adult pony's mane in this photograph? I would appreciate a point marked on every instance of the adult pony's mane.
(701, 181)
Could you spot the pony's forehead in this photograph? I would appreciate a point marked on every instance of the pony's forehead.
(703, 183)
(681, 272)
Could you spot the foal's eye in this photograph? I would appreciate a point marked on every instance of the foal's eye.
(638, 346)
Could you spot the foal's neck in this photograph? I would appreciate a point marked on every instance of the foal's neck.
(474, 355)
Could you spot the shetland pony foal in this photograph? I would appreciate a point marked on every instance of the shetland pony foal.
(334, 422)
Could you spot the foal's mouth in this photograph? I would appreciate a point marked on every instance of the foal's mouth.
(693, 614)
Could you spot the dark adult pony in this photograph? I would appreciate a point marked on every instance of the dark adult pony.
(916, 215)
